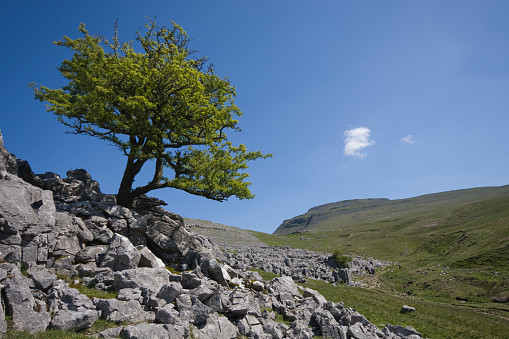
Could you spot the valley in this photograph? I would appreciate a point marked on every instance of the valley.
(451, 251)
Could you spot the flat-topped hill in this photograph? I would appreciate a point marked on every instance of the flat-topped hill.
(351, 213)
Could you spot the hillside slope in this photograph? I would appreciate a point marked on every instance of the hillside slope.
(223, 234)
(362, 211)
(452, 247)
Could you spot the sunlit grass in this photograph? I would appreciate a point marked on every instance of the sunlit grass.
(432, 319)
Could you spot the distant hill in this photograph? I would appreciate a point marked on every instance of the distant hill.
(319, 214)
(362, 211)
(452, 246)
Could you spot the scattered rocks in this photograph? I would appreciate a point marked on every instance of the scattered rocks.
(51, 226)
(298, 263)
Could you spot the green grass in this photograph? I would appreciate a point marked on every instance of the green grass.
(452, 247)
(88, 291)
(265, 275)
(99, 326)
(432, 319)
(467, 231)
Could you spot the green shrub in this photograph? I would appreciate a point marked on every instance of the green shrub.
(341, 258)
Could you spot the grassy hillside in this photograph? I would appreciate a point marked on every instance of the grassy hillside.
(461, 229)
(452, 247)
(452, 251)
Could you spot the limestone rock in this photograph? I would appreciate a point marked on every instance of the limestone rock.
(121, 254)
(407, 309)
(78, 186)
(25, 212)
(190, 280)
(216, 327)
(127, 294)
(143, 277)
(146, 331)
(98, 226)
(26, 319)
(63, 297)
(211, 268)
(168, 315)
(404, 332)
(90, 254)
(17, 293)
(72, 320)
(284, 284)
(170, 291)
(148, 259)
(7, 161)
(43, 279)
(317, 297)
(120, 311)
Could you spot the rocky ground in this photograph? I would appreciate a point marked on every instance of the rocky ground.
(222, 234)
(243, 251)
(171, 283)
(300, 264)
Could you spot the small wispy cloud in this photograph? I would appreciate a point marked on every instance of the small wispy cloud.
(356, 139)
(409, 139)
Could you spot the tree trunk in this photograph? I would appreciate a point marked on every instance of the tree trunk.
(124, 196)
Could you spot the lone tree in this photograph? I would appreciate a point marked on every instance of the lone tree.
(159, 104)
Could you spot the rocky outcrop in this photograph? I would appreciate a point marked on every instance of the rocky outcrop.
(7, 160)
(298, 263)
(171, 283)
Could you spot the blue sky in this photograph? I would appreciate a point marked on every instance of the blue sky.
(355, 99)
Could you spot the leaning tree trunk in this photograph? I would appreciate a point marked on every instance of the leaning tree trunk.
(125, 197)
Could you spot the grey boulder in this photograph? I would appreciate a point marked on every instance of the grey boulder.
(73, 321)
(121, 254)
(152, 279)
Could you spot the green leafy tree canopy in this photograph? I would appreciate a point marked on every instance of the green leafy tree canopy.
(160, 104)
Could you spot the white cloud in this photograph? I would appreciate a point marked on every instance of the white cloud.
(409, 139)
(356, 139)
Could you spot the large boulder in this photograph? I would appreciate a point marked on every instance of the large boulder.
(98, 226)
(63, 297)
(152, 331)
(152, 279)
(121, 254)
(42, 278)
(25, 213)
(72, 310)
(73, 321)
(149, 259)
(284, 284)
(119, 311)
(217, 327)
(168, 237)
(212, 269)
(21, 304)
